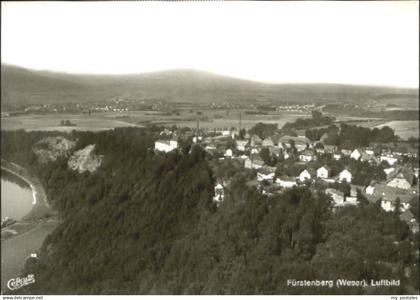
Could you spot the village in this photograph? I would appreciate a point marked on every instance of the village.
(281, 161)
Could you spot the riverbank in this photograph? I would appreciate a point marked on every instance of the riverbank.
(27, 235)
(16, 250)
(40, 210)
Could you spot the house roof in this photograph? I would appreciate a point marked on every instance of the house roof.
(218, 186)
(275, 138)
(366, 156)
(287, 178)
(334, 191)
(167, 142)
(297, 140)
(255, 157)
(242, 142)
(404, 173)
(256, 138)
(268, 139)
(345, 170)
(275, 150)
(406, 216)
(324, 136)
(307, 152)
(389, 193)
(325, 167)
(267, 170)
(305, 171)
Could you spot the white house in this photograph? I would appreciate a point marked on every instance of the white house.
(346, 152)
(304, 175)
(389, 171)
(356, 154)
(166, 146)
(300, 146)
(300, 142)
(416, 172)
(228, 153)
(370, 189)
(267, 142)
(345, 175)
(389, 205)
(336, 195)
(399, 182)
(369, 151)
(411, 221)
(197, 139)
(369, 158)
(388, 196)
(241, 145)
(337, 156)
(255, 140)
(266, 173)
(219, 193)
(255, 162)
(286, 182)
(323, 172)
(306, 156)
(330, 148)
(255, 150)
(390, 159)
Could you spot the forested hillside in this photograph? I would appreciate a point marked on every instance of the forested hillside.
(28, 87)
(144, 223)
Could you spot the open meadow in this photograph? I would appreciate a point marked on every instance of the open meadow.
(404, 129)
(51, 122)
(104, 121)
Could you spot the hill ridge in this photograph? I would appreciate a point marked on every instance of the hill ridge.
(22, 86)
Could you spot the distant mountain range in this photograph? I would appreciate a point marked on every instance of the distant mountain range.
(24, 86)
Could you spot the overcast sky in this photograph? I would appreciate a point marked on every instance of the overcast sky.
(337, 42)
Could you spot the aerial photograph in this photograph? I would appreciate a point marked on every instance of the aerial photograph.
(210, 148)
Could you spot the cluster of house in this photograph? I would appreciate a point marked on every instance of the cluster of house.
(397, 188)
(296, 108)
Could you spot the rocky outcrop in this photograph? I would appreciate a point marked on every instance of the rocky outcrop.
(51, 148)
(85, 160)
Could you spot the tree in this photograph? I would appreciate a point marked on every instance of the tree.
(316, 114)
(242, 133)
(263, 130)
(265, 155)
(361, 199)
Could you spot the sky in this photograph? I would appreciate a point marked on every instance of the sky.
(368, 43)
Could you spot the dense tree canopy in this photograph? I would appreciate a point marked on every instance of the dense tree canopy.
(145, 223)
(350, 136)
(263, 130)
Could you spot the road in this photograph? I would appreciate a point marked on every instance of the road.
(14, 251)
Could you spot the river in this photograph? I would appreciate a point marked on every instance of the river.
(16, 199)
(17, 202)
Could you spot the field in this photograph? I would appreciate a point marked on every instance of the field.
(52, 122)
(404, 129)
(103, 121)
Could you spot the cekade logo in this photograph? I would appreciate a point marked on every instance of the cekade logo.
(17, 283)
